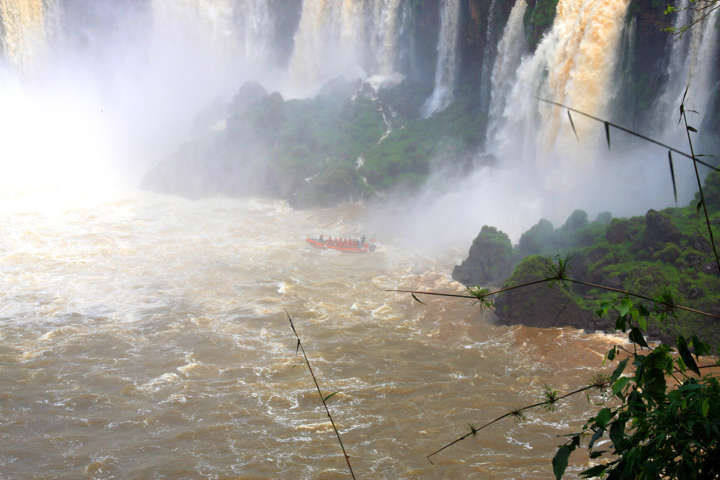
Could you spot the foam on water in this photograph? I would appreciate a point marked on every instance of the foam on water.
(146, 336)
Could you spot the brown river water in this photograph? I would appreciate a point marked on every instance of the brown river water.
(145, 337)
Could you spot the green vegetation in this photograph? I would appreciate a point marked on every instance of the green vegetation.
(348, 142)
(662, 253)
(662, 418)
(538, 19)
(541, 239)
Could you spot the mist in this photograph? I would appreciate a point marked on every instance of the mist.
(101, 94)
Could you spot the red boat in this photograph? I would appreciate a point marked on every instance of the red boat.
(347, 246)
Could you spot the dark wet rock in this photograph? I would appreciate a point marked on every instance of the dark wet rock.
(620, 231)
(249, 94)
(544, 305)
(489, 260)
(659, 229)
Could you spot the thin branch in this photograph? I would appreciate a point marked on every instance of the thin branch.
(705, 11)
(322, 399)
(644, 297)
(473, 430)
(476, 297)
(699, 184)
(631, 132)
(571, 280)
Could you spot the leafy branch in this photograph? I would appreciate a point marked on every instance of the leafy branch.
(609, 124)
(688, 129)
(323, 398)
(552, 398)
(700, 13)
(670, 305)
(691, 156)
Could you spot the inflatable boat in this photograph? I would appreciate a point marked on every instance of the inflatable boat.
(347, 246)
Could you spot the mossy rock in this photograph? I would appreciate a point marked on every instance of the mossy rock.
(489, 260)
(544, 305)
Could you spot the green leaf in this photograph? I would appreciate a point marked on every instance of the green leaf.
(685, 355)
(642, 323)
(636, 336)
(328, 397)
(620, 323)
(595, 471)
(619, 385)
(603, 417)
(618, 371)
(625, 306)
(572, 124)
(611, 353)
(672, 175)
(596, 436)
(617, 434)
(607, 133)
(705, 407)
(700, 347)
(560, 461)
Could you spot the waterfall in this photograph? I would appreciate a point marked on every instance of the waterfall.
(701, 65)
(23, 29)
(573, 64)
(487, 59)
(334, 38)
(691, 65)
(210, 20)
(669, 100)
(256, 24)
(446, 66)
(327, 43)
(384, 38)
(509, 53)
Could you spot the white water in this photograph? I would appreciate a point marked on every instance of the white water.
(144, 336)
(488, 58)
(511, 48)
(23, 28)
(446, 66)
(692, 56)
(335, 38)
(573, 64)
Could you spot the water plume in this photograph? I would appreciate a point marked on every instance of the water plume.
(446, 67)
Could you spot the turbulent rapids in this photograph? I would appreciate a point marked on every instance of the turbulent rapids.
(144, 335)
(134, 346)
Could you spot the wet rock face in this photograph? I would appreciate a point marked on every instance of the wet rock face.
(619, 231)
(544, 305)
(659, 229)
(489, 260)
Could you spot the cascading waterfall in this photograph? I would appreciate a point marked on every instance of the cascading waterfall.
(334, 39)
(384, 38)
(446, 66)
(667, 102)
(255, 22)
(573, 64)
(212, 20)
(23, 27)
(511, 48)
(327, 43)
(700, 67)
(487, 61)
